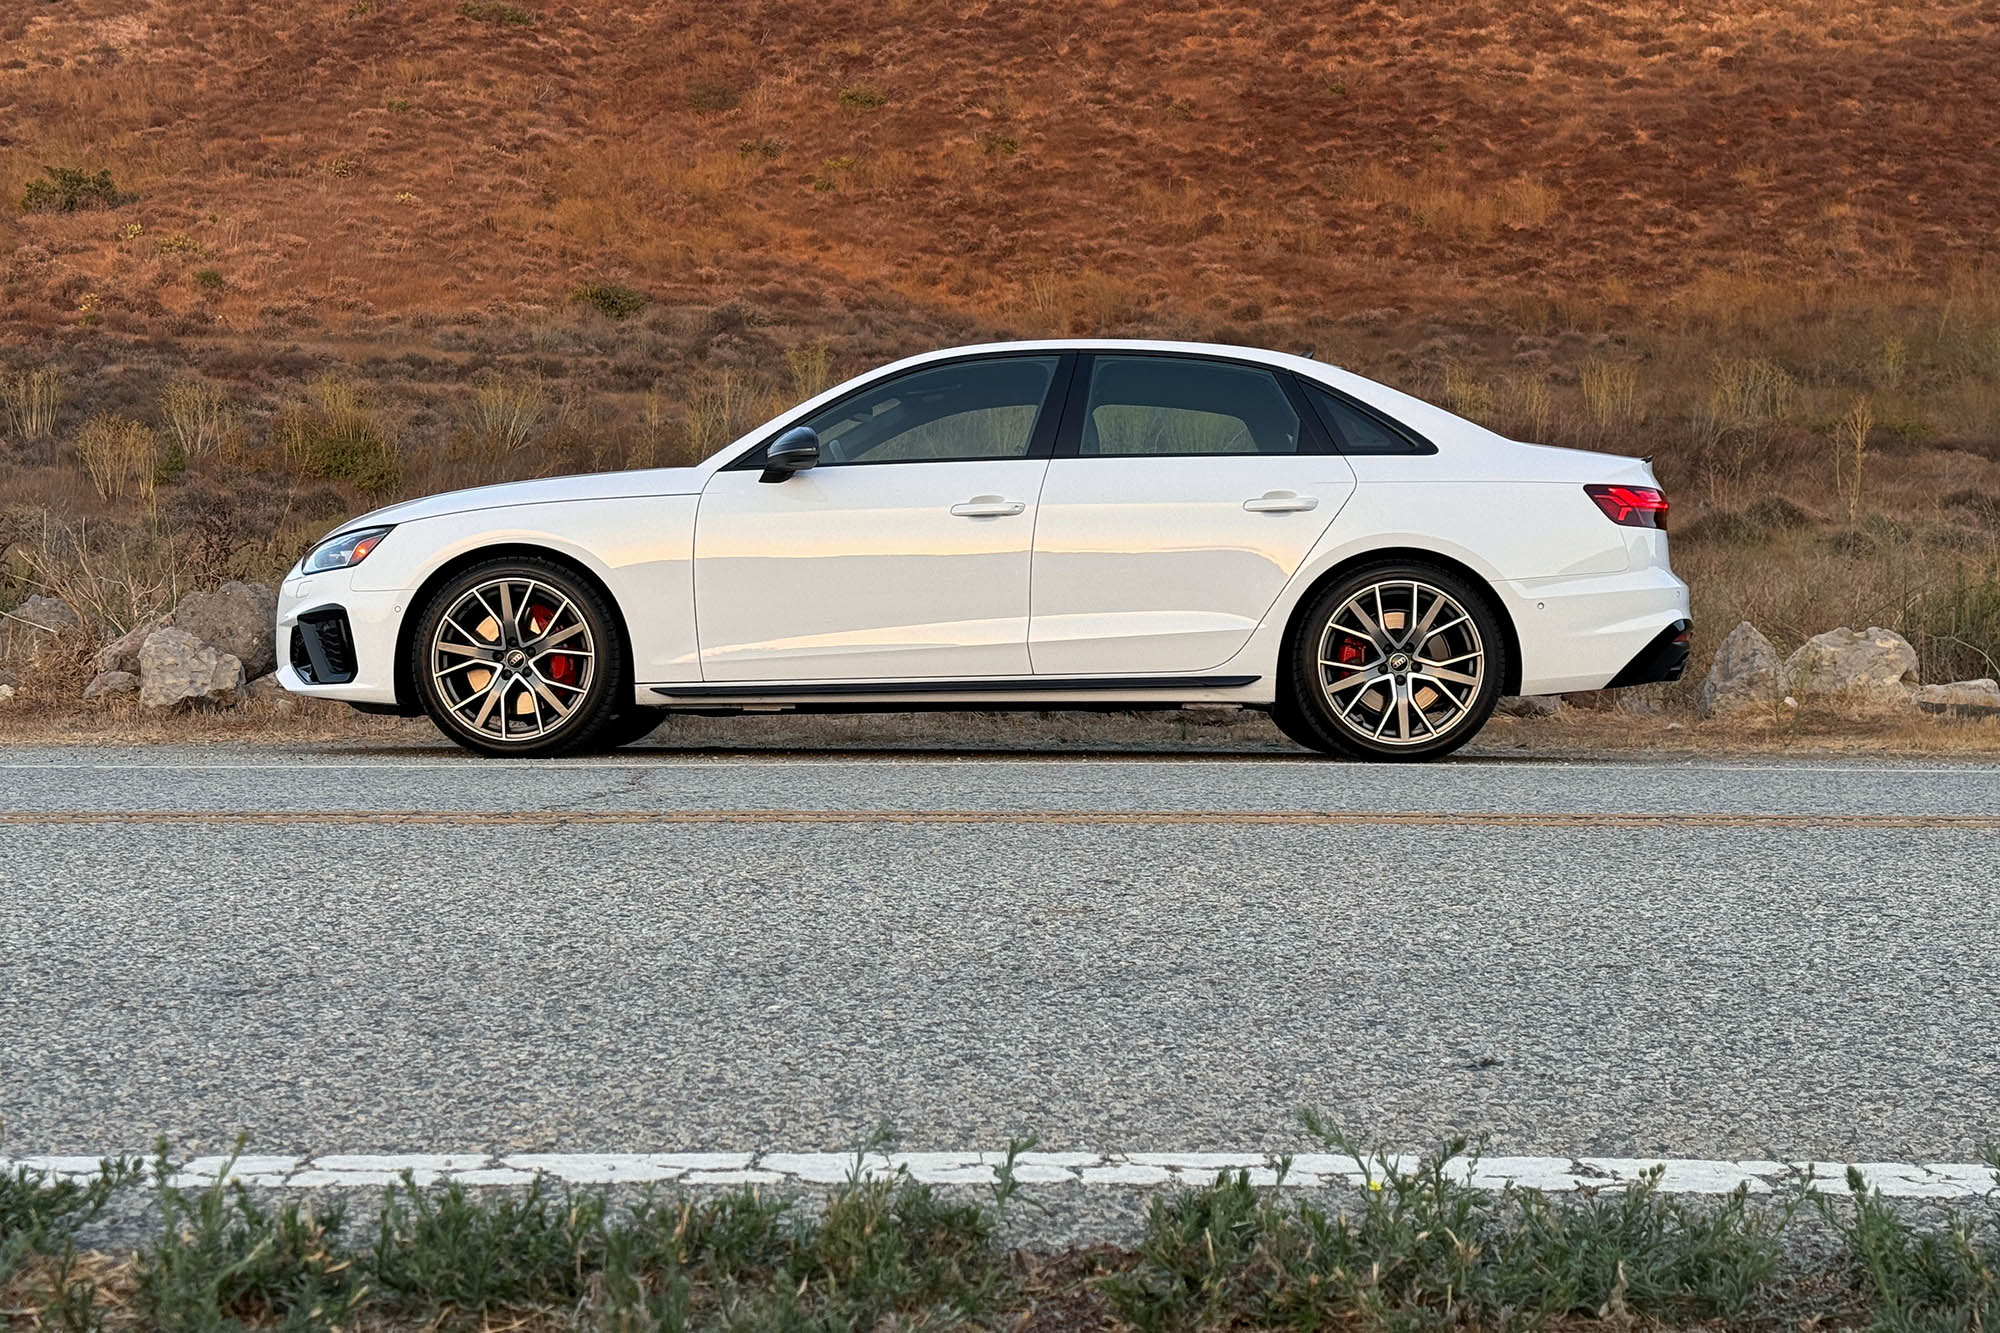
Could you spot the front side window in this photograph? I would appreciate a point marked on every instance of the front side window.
(1175, 405)
(962, 410)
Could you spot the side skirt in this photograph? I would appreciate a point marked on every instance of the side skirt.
(1030, 694)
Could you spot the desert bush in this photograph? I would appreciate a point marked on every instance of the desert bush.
(330, 433)
(1531, 407)
(613, 299)
(1467, 394)
(120, 455)
(1610, 394)
(1850, 446)
(113, 574)
(490, 11)
(198, 417)
(716, 406)
(208, 280)
(503, 413)
(1956, 628)
(69, 190)
(713, 95)
(29, 400)
(862, 97)
(808, 366)
(1747, 394)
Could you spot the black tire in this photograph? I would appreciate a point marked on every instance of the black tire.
(1410, 700)
(539, 714)
(631, 726)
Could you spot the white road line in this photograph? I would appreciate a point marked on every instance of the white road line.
(1912, 1180)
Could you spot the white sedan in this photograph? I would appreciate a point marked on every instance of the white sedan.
(1086, 524)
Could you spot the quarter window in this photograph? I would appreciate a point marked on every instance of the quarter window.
(961, 410)
(1171, 405)
(1359, 430)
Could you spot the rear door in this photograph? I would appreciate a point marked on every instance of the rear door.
(1183, 495)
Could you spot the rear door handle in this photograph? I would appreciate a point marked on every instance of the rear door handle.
(1281, 502)
(989, 506)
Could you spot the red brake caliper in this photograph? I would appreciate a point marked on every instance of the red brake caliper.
(561, 667)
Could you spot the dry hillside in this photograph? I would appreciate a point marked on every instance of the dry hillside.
(297, 257)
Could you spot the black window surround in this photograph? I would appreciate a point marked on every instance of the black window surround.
(1313, 438)
(1058, 430)
(1040, 441)
(1414, 440)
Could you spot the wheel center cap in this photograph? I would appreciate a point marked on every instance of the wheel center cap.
(515, 658)
(1399, 662)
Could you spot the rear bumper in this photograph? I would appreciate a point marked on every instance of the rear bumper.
(1585, 632)
(1662, 660)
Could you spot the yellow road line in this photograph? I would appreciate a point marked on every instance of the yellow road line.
(1293, 818)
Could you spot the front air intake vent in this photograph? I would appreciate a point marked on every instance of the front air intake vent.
(322, 647)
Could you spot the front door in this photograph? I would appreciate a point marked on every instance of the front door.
(904, 554)
(1188, 493)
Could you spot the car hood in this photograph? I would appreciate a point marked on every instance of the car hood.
(542, 490)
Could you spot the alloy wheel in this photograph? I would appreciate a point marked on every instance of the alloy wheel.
(1401, 662)
(512, 659)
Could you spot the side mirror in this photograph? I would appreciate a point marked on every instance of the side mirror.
(794, 451)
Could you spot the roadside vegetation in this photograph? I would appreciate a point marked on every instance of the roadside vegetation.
(231, 315)
(1412, 1248)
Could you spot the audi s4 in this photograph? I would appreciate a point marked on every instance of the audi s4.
(1085, 524)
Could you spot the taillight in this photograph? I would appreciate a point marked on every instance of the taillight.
(1631, 506)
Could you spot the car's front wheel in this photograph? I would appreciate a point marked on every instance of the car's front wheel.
(521, 657)
(1393, 661)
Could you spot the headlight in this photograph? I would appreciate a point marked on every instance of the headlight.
(342, 551)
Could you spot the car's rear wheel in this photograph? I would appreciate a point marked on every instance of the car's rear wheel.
(1393, 661)
(522, 657)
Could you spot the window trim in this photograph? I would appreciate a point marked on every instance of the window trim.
(1420, 444)
(1041, 439)
(1313, 436)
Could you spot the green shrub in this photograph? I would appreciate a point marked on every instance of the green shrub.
(208, 279)
(614, 299)
(862, 97)
(491, 11)
(69, 190)
(329, 433)
(712, 95)
(1956, 628)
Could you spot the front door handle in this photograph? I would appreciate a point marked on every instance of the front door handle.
(1281, 502)
(989, 506)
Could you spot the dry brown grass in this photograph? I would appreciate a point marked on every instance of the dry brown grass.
(1582, 223)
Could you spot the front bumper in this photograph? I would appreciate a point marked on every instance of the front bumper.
(335, 642)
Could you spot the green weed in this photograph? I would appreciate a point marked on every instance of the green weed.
(614, 299)
(69, 190)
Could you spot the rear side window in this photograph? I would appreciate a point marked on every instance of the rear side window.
(1169, 405)
(1361, 430)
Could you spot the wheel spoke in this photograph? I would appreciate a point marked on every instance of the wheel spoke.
(1455, 677)
(555, 637)
(491, 695)
(1423, 631)
(1358, 678)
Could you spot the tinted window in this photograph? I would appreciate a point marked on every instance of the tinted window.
(1163, 405)
(968, 409)
(1358, 430)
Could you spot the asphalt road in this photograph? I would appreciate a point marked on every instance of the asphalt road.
(417, 951)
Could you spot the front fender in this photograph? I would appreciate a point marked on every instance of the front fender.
(640, 548)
